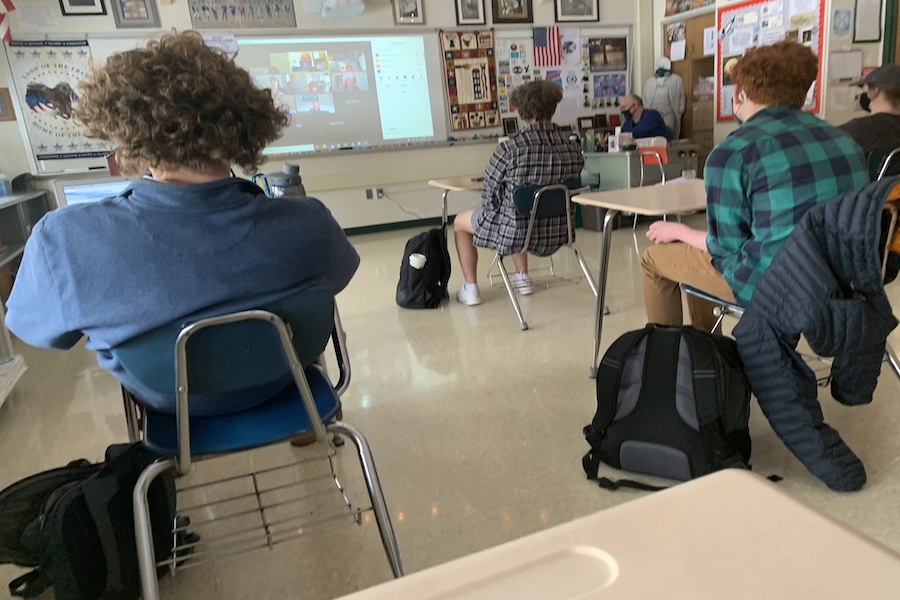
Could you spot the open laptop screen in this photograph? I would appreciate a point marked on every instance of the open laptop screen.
(80, 192)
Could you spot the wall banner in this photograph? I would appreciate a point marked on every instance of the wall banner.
(45, 75)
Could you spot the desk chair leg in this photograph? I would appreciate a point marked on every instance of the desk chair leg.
(132, 417)
(585, 270)
(373, 484)
(634, 223)
(142, 532)
(892, 359)
(512, 294)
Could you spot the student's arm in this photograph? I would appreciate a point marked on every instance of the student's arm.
(343, 260)
(727, 207)
(492, 187)
(34, 311)
(665, 232)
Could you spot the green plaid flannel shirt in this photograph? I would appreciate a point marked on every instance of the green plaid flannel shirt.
(762, 179)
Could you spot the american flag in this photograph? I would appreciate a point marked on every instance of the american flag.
(5, 7)
(546, 46)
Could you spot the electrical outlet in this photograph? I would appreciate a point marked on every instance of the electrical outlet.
(369, 195)
(379, 193)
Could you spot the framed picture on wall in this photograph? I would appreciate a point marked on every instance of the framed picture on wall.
(71, 8)
(512, 11)
(470, 12)
(510, 126)
(408, 12)
(6, 109)
(573, 11)
(135, 13)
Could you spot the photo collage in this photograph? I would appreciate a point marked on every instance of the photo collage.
(609, 70)
(315, 81)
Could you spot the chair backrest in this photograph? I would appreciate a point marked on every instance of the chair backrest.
(551, 200)
(654, 155)
(884, 164)
(232, 360)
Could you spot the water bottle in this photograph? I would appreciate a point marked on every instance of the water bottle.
(286, 183)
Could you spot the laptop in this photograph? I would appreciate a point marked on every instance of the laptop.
(88, 189)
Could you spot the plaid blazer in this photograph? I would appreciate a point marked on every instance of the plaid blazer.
(541, 155)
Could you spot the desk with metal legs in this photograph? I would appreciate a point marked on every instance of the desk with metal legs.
(730, 535)
(455, 184)
(676, 197)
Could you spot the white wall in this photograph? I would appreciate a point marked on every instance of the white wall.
(340, 181)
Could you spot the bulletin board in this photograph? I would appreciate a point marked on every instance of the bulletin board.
(762, 22)
(594, 69)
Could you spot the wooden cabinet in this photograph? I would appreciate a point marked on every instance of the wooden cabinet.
(696, 124)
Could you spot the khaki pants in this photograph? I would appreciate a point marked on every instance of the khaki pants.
(663, 267)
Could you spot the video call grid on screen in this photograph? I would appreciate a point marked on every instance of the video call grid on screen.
(350, 92)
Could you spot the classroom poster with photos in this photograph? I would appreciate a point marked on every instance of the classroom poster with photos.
(242, 14)
(762, 22)
(609, 70)
(515, 66)
(469, 68)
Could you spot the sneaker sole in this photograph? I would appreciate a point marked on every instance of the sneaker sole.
(461, 301)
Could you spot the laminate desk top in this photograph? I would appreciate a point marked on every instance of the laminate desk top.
(655, 200)
(731, 535)
(459, 184)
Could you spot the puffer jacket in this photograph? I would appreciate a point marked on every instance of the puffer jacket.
(825, 283)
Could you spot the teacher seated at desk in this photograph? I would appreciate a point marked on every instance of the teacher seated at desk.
(642, 122)
(760, 181)
(188, 240)
(540, 154)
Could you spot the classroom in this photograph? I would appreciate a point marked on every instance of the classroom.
(474, 418)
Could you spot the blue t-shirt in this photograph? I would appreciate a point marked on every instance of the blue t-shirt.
(162, 252)
(650, 125)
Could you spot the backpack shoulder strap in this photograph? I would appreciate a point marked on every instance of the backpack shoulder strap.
(609, 377)
(609, 374)
(707, 392)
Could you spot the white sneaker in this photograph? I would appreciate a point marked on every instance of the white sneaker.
(469, 295)
(522, 284)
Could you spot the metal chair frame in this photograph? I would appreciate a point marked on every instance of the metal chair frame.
(724, 308)
(662, 158)
(269, 527)
(570, 243)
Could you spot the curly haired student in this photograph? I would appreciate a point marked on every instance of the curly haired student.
(187, 239)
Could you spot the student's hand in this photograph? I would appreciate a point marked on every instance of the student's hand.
(665, 232)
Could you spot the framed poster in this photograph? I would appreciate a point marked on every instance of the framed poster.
(470, 12)
(72, 8)
(575, 11)
(408, 12)
(512, 11)
(134, 13)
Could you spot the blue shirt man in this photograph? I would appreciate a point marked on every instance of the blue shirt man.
(642, 122)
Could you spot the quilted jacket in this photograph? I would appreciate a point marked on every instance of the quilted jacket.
(825, 283)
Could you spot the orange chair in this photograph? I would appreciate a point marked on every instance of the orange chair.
(652, 155)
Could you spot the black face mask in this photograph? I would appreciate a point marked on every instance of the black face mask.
(660, 72)
(864, 102)
(627, 114)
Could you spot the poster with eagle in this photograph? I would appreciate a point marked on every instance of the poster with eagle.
(46, 75)
(471, 75)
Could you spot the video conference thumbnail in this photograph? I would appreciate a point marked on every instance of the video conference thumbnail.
(307, 81)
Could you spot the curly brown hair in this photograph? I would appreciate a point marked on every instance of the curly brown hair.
(536, 100)
(178, 103)
(777, 74)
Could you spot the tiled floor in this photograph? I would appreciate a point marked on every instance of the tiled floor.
(475, 426)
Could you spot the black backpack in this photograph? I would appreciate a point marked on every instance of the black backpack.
(671, 402)
(425, 287)
(75, 526)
